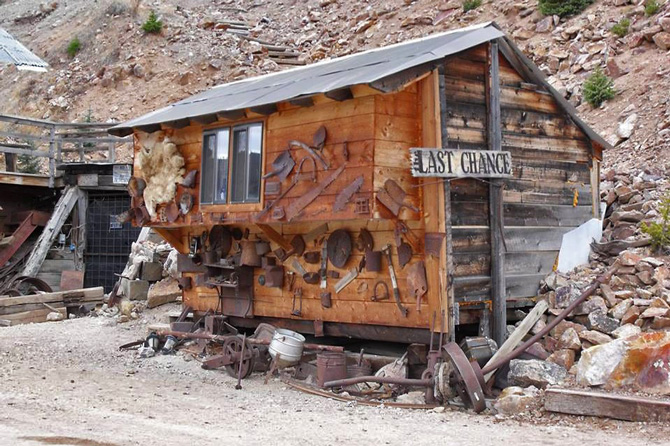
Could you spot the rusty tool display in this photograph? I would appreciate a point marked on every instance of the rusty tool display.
(297, 294)
(281, 166)
(365, 241)
(345, 195)
(312, 257)
(310, 175)
(417, 282)
(394, 280)
(339, 247)
(324, 264)
(404, 254)
(301, 203)
(269, 207)
(376, 297)
(346, 280)
(319, 138)
(373, 261)
(470, 377)
(308, 149)
(326, 300)
(393, 197)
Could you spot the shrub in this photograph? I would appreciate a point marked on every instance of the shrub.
(598, 88)
(116, 8)
(152, 25)
(651, 7)
(563, 7)
(73, 47)
(660, 232)
(28, 164)
(469, 5)
(621, 28)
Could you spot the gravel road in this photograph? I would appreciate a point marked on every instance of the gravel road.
(66, 383)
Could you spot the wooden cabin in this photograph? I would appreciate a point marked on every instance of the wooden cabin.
(296, 156)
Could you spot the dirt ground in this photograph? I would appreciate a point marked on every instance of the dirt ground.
(67, 383)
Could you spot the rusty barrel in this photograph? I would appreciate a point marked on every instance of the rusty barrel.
(355, 370)
(330, 366)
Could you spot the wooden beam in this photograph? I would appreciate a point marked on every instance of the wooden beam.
(398, 81)
(231, 115)
(433, 199)
(494, 138)
(517, 336)
(177, 124)
(150, 128)
(80, 232)
(205, 119)
(600, 404)
(51, 231)
(441, 118)
(275, 236)
(174, 238)
(341, 94)
(24, 179)
(265, 110)
(302, 101)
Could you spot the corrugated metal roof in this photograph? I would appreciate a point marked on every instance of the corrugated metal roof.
(342, 72)
(13, 52)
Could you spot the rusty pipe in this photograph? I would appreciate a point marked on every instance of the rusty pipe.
(522, 348)
(381, 380)
(212, 337)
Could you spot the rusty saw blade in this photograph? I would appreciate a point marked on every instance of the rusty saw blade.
(301, 203)
(346, 194)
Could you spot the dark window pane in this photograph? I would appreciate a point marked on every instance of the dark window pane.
(254, 163)
(240, 140)
(207, 172)
(222, 151)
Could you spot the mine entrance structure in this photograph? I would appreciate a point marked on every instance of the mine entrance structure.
(288, 194)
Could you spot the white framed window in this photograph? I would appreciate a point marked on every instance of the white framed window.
(231, 164)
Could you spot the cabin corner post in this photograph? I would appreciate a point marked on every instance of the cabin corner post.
(496, 225)
(453, 311)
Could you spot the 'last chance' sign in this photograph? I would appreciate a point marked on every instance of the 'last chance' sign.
(460, 163)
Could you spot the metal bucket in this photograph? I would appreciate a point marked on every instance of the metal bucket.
(288, 345)
(355, 370)
(330, 366)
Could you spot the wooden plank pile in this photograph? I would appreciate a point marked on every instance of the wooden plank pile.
(15, 310)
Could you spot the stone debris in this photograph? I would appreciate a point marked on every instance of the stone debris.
(533, 372)
(515, 400)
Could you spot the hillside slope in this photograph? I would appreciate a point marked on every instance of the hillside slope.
(122, 72)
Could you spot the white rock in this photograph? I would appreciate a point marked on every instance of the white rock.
(598, 362)
(626, 330)
(55, 316)
(627, 127)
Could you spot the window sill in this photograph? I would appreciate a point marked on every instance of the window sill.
(232, 207)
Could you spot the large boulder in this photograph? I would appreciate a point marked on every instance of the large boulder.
(644, 365)
(536, 373)
(597, 363)
(514, 400)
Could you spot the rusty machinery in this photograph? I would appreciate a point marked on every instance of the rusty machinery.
(452, 372)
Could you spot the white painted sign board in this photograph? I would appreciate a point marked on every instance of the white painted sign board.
(452, 163)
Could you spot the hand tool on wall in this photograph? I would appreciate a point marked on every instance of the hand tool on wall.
(324, 264)
(376, 297)
(394, 280)
(346, 280)
(297, 294)
(301, 203)
(339, 247)
(345, 195)
(282, 166)
(308, 149)
(416, 282)
(393, 197)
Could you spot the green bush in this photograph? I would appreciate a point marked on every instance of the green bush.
(73, 47)
(598, 88)
(660, 232)
(28, 164)
(469, 5)
(651, 7)
(152, 25)
(621, 28)
(563, 7)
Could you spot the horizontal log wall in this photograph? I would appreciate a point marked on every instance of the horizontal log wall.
(548, 195)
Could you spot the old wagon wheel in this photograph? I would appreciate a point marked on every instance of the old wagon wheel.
(232, 347)
(464, 378)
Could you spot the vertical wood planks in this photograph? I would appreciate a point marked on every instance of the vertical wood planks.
(494, 136)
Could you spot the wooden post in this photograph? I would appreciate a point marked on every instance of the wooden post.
(52, 155)
(496, 224)
(10, 162)
(433, 199)
(80, 241)
(111, 158)
(452, 310)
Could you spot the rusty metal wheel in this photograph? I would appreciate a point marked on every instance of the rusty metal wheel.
(464, 378)
(232, 347)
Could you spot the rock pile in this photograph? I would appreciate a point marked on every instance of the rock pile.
(595, 344)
